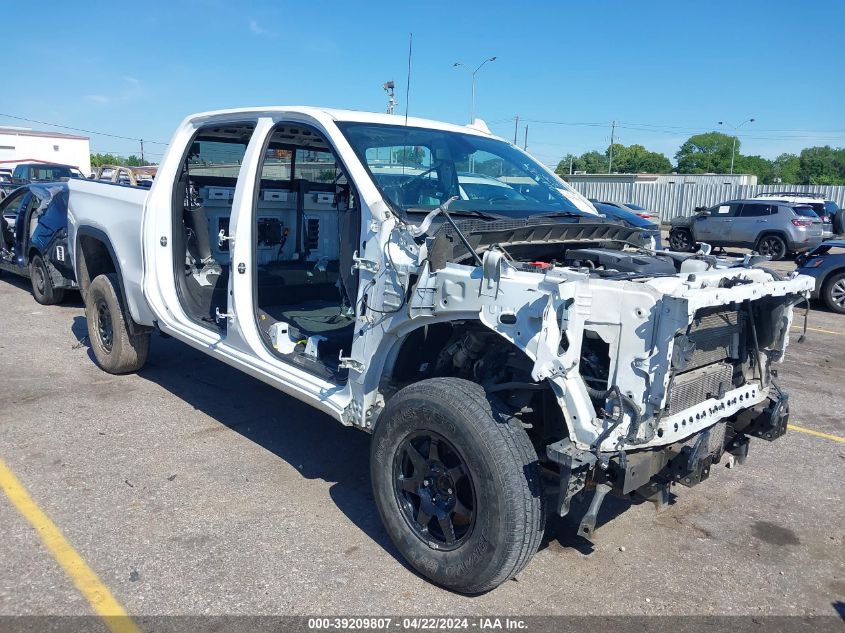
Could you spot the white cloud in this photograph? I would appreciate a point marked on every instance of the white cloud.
(131, 89)
(256, 28)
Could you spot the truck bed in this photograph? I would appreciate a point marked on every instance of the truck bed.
(112, 211)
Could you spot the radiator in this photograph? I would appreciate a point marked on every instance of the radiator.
(695, 386)
(716, 337)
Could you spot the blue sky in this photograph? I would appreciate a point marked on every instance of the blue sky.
(663, 70)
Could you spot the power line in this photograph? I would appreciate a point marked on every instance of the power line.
(796, 137)
(570, 123)
(79, 129)
(664, 127)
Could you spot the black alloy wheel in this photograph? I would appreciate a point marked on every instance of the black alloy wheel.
(772, 246)
(681, 240)
(434, 489)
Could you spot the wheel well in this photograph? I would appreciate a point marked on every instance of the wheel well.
(33, 251)
(769, 233)
(830, 276)
(472, 351)
(93, 259)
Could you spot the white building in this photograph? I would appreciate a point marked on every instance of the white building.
(21, 145)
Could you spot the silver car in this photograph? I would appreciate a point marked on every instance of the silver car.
(772, 228)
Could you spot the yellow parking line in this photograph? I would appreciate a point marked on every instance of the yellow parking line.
(86, 581)
(826, 436)
(818, 329)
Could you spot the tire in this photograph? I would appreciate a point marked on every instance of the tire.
(839, 222)
(833, 293)
(483, 497)
(681, 240)
(42, 283)
(773, 246)
(116, 349)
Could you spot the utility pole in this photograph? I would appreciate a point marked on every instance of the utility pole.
(142, 150)
(515, 128)
(525, 145)
(570, 165)
(612, 137)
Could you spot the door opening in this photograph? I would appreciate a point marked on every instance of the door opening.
(202, 207)
(306, 227)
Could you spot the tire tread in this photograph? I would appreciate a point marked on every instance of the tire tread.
(521, 493)
(129, 351)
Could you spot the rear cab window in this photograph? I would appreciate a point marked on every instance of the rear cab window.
(804, 211)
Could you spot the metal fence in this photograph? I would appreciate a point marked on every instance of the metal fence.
(671, 200)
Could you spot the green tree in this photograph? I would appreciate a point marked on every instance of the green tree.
(105, 159)
(785, 169)
(627, 159)
(112, 159)
(633, 159)
(592, 162)
(757, 165)
(409, 156)
(822, 166)
(563, 166)
(706, 153)
(589, 162)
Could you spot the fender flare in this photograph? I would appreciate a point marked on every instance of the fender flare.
(102, 237)
(774, 232)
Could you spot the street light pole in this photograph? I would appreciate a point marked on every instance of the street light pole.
(472, 74)
(735, 128)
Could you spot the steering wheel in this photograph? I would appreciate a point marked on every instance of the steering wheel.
(493, 199)
(419, 177)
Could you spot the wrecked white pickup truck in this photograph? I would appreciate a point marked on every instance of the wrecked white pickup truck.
(442, 290)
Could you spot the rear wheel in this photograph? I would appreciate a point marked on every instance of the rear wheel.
(42, 283)
(772, 246)
(457, 485)
(681, 240)
(838, 222)
(833, 293)
(116, 349)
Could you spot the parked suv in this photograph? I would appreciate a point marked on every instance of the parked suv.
(772, 228)
(825, 209)
(826, 264)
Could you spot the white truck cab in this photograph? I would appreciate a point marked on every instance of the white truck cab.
(438, 287)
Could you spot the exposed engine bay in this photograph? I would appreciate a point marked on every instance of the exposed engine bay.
(631, 368)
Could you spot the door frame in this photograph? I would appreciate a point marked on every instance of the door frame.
(243, 297)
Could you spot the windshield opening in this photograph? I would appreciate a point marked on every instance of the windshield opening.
(417, 169)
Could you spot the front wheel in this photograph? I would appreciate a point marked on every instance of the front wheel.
(42, 283)
(772, 246)
(681, 240)
(833, 293)
(457, 485)
(116, 349)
